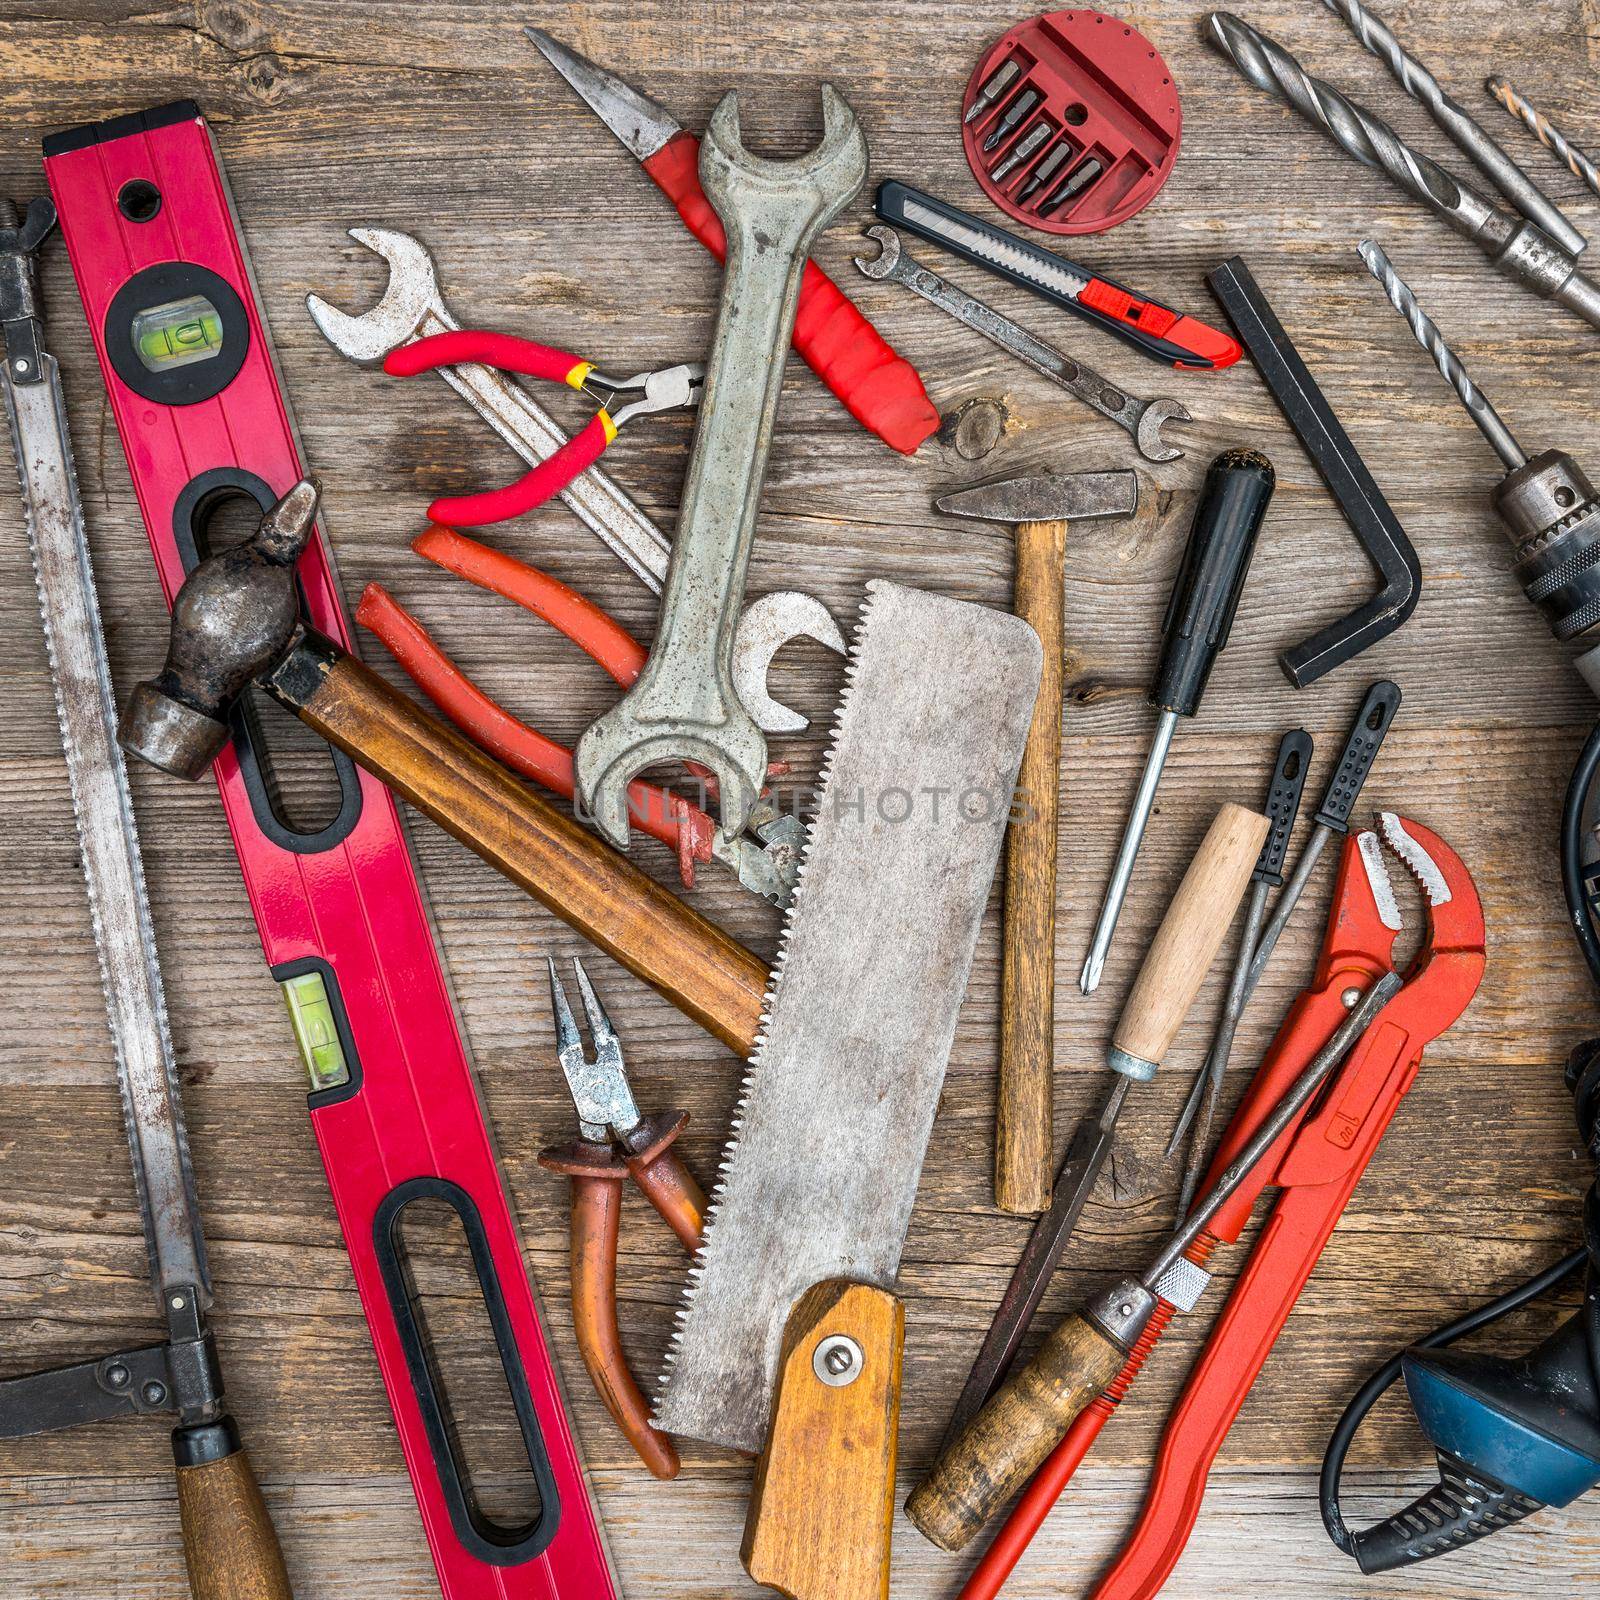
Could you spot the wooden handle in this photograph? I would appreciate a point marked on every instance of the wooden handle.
(577, 875)
(229, 1543)
(667, 1184)
(1024, 1138)
(823, 1500)
(598, 1175)
(1190, 934)
(1004, 1445)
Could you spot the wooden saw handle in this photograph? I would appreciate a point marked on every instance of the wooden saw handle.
(1024, 1138)
(823, 1501)
(1004, 1445)
(229, 1544)
(576, 874)
(1190, 934)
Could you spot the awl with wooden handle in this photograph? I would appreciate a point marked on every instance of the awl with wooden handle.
(1179, 957)
(1008, 1439)
(1039, 508)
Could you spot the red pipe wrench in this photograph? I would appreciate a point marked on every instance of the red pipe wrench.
(1316, 1164)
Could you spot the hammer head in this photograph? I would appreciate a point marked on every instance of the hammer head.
(235, 617)
(1047, 497)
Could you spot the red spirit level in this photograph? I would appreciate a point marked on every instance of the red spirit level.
(161, 267)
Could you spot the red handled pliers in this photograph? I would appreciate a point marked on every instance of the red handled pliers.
(1315, 1165)
(665, 389)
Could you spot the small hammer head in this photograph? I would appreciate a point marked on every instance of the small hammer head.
(235, 617)
(1047, 497)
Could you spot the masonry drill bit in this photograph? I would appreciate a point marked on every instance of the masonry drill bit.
(1519, 249)
(1460, 126)
(1546, 132)
(1490, 423)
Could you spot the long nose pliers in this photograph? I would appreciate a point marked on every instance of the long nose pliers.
(614, 1142)
(665, 389)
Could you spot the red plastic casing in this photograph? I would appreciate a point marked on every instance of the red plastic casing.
(347, 905)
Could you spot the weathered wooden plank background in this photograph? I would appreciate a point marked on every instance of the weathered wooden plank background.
(438, 118)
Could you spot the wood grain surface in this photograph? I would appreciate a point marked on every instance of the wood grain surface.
(436, 117)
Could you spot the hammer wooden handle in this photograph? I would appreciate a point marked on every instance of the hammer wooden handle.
(579, 877)
(1190, 934)
(229, 1544)
(1024, 1130)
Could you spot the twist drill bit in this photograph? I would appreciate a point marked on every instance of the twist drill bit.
(1459, 124)
(1426, 332)
(1518, 248)
(1548, 505)
(1546, 132)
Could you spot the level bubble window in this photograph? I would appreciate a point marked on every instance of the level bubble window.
(177, 333)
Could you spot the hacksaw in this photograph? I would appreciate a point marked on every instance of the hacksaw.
(821, 1172)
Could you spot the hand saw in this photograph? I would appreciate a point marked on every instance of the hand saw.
(228, 1539)
(805, 1228)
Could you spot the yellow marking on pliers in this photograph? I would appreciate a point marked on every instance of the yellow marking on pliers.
(607, 424)
(580, 371)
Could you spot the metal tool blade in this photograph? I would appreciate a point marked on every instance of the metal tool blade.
(1052, 275)
(107, 838)
(1047, 497)
(820, 1175)
(639, 122)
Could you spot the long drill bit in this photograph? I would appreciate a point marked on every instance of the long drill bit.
(1426, 331)
(1462, 128)
(1546, 132)
(1519, 249)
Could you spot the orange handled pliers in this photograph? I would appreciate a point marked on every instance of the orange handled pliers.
(666, 389)
(608, 1118)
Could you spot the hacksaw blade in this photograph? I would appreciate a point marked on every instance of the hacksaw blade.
(821, 1169)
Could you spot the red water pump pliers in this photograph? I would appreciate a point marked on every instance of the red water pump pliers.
(1315, 1165)
(665, 389)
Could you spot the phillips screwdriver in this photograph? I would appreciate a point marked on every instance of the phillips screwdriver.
(1000, 1448)
(1175, 966)
(1372, 723)
(1283, 806)
(1233, 503)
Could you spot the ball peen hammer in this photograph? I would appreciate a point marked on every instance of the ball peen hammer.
(237, 621)
(1039, 508)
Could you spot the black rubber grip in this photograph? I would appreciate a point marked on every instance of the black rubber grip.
(1216, 561)
(1283, 804)
(1360, 751)
(1461, 1507)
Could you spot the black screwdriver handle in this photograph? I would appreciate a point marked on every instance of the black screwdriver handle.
(1360, 751)
(1238, 490)
(1283, 805)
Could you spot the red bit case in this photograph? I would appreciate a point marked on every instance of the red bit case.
(1106, 96)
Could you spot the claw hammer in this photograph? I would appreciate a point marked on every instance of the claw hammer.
(1039, 508)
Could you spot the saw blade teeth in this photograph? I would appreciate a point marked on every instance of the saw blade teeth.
(852, 671)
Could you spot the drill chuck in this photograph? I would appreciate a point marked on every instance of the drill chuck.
(1552, 514)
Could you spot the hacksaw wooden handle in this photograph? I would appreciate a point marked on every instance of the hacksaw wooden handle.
(229, 1544)
(1190, 934)
(577, 875)
(823, 1500)
(1024, 1140)
(1005, 1444)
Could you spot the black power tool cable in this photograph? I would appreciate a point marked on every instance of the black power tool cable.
(1465, 1504)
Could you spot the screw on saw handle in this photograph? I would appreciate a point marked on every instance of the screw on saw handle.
(1216, 561)
(1283, 804)
(229, 1544)
(1360, 751)
(1002, 1447)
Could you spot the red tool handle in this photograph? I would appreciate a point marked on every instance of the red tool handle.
(1204, 345)
(667, 817)
(502, 350)
(879, 388)
(530, 491)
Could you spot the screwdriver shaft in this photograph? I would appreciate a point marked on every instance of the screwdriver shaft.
(1132, 837)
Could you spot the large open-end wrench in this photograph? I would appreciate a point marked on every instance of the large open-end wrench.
(1142, 419)
(412, 307)
(685, 705)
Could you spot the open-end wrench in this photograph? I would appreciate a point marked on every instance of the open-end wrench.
(685, 705)
(412, 307)
(1143, 419)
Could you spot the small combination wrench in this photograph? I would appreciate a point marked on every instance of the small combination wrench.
(684, 705)
(412, 308)
(1142, 419)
